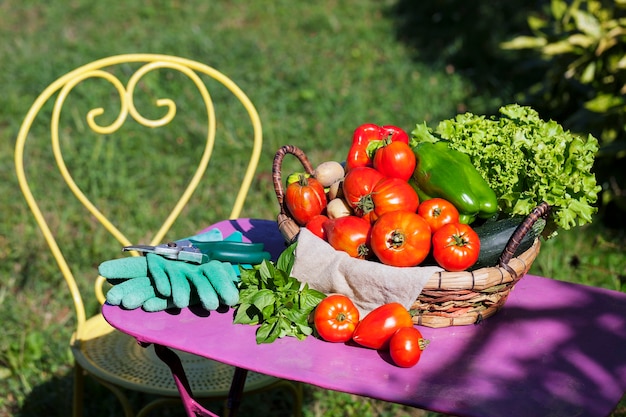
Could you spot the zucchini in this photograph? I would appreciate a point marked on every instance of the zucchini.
(494, 235)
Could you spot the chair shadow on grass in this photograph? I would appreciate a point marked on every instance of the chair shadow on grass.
(54, 399)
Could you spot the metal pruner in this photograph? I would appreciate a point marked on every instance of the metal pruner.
(172, 250)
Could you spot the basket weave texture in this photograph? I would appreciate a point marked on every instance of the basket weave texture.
(448, 298)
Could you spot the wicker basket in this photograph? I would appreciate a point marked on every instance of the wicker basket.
(448, 298)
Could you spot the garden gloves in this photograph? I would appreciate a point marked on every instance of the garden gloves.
(154, 282)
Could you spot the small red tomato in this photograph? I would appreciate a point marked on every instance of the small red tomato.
(400, 238)
(395, 160)
(304, 199)
(375, 329)
(335, 318)
(406, 346)
(456, 246)
(438, 212)
(316, 225)
(349, 234)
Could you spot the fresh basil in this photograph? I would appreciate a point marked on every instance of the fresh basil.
(271, 298)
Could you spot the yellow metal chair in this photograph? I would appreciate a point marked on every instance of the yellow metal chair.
(112, 358)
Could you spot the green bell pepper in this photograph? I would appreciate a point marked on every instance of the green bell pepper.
(449, 174)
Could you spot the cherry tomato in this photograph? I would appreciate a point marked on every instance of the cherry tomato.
(376, 328)
(305, 198)
(396, 160)
(456, 247)
(406, 346)
(438, 212)
(349, 234)
(400, 238)
(316, 225)
(335, 318)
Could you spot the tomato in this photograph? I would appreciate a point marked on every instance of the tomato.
(316, 225)
(406, 346)
(359, 182)
(376, 328)
(400, 238)
(438, 212)
(349, 234)
(396, 160)
(370, 194)
(367, 138)
(456, 247)
(390, 194)
(335, 318)
(305, 198)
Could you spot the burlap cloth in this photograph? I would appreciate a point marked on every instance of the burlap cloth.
(369, 284)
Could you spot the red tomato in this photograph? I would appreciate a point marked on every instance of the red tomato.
(400, 238)
(396, 160)
(376, 329)
(370, 194)
(367, 138)
(305, 199)
(335, 318)
(456, 247)
(438, 212)
(359, 182)
(316, 225)
(349, 234)
(406, 346)
(390, 194)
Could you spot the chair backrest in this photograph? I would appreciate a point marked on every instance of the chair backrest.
(87, 131)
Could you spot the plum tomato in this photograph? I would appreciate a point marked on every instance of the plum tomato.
(400, 238)
(378, 326)
(456, 246)
(335, 318)
(406, 346)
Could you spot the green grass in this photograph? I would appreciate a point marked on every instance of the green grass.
(314, 70)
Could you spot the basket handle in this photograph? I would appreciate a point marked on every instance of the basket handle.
(541, 211)
(287, 226)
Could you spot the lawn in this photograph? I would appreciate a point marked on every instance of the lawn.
(314, 70)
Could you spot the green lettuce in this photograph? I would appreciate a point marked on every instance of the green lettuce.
(527, 160)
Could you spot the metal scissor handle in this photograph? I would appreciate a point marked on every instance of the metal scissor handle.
(172, 250)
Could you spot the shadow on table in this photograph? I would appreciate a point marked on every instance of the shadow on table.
(585, 343)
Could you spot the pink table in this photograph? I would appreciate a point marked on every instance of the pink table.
(555, 349)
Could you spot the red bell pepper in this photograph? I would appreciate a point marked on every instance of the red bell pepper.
(367, 138)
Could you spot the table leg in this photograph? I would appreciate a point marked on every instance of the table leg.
(236, 391)
(192, 407)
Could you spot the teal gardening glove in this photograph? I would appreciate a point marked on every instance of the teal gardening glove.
(156, 283)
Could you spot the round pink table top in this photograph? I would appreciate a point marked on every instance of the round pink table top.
(555, 349)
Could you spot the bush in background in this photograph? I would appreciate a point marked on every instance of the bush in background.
(580, 46)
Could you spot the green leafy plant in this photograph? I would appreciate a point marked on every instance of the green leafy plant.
(527, 160)
(276, 301)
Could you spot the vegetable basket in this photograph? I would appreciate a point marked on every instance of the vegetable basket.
(448, 298)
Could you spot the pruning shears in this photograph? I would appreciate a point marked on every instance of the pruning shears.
(198, 251)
